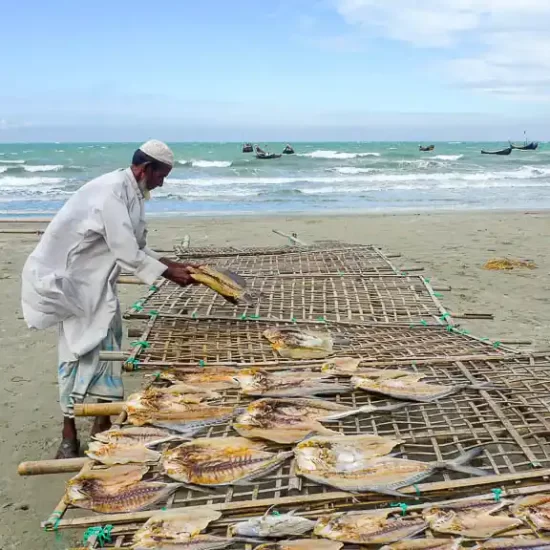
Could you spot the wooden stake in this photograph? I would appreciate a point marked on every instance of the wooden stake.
(98, 409)
(40, 467)
(292, 238)
(479, 316)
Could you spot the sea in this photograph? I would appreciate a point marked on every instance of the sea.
(218, 179)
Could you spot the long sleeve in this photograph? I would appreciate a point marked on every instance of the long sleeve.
(120, 239)
(152, 253)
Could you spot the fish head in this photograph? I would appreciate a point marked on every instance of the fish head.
(250, 528)
(323, 526)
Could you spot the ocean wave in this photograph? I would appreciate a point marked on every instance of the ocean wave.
(336, 155)
(352, 170)
(3, 169)
(18, 161)
(43, 168)
(15, 181)
(206, 163)
(447, 157)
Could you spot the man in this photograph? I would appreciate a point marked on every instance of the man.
(70, 279)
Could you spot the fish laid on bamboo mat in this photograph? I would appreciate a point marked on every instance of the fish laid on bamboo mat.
(227, 284)
(299, 343)
(117, 453)
(221, 461)
(213, 379)
(471, 519)
(291, 420)
(348, 366)
(271, 525)
(116, 490)
(409, 388)
(287, 383)
(513, 543)
(534, 508)
(179, 529)
(358, 464)
(301, 544)
(368, 527)
(134, 435)
(425, 544)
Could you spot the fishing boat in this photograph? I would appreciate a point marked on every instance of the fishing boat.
(426, 149)
(502, 152)
(247, 148)
(265, 156)
(526, 147)
(288, 150)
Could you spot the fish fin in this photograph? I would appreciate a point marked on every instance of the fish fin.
(459, 463)
(239, 279)
(466, 469)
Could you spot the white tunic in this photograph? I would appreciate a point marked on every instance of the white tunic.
(70, 277)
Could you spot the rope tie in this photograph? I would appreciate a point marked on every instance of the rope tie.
(497, 493)
(401, 505)
(134, 362)
(142, 343)
(153, 313)
(103, 534)
(153, 288)
(137, 306)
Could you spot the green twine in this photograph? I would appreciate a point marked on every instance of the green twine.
(401, 505)
(193, 315)
(293, 319)
(142, 343)
(275, 513)
(484, 339)
(496, 345)
(341, 273)
(444, 317)
(246, 317)
(138, 306)
(497, 493)
(57, 521)
(426, 280)
(134, 362)
(202, 363)
(321, 319)
(153, 313)
(438, 295)
(153, 288)
(157, 375)
(417, 489)
(103, 534)
(243, 317)
(423, 323)
(449, 328)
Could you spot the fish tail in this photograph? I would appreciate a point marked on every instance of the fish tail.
(459, 464)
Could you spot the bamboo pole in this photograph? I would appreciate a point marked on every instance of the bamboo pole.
(478, 316)
(413, 268)
(22, 231)
(60, 466)
(112, 356)
(292, 238)
(98, 409)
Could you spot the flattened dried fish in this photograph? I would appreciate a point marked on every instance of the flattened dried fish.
(299, 343)
(513, 543)
(347, 465)
(425, 544)
(470, 519)
(270, 525)
(367, 527)
(227, 284)
(116, 490)
(115, 453)
(348, 366)
(407, 387)
(291, 420)
(196, 542)
(214, 379)
(301, 544)
(178, 527)
(286, 384)
(137, 436)
(535, 508)
(221, 461)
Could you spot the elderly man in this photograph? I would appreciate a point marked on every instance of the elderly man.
(70, 279)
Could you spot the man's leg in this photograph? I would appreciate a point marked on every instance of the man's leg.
(70, 446)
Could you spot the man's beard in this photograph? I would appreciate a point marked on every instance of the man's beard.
(145, 189)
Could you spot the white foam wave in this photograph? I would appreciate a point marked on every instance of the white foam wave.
(352, 170)
(447, 157)
(3, 169)
(206, 163)
(43, 168)
(18, 161)
(336, 155)
(14, 181)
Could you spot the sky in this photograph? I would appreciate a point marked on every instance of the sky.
(217, 70)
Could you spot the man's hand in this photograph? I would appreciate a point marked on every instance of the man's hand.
(179, 274)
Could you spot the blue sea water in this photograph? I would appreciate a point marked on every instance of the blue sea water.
(218, 179)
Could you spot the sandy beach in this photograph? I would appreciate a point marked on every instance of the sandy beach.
(452, 248)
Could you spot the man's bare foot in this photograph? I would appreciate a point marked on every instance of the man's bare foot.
(69, 448)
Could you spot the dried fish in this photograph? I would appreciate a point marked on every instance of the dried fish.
(348, 366)
(221, 461)
(291, 420)
(115, 453)
(471, 519)
(368, 527)
(286, 384)
(513, 543)
(348, 463)
(214, 379)
(179, 529)
(299, 343)
(116, 490)
(409, 388)
(137, 436)
(535, 508)
(301, 544)
(425, 544)
(270, 525)
(227, 284)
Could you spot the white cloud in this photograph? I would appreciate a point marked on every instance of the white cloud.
(509, 38)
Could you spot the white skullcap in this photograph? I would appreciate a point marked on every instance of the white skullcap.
(159, 151)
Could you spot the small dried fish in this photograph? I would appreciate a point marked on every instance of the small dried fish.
(221, 461)
(115, 453)
(196, 542)
(291, 420)
(425, 544)
(286, 384)
(367, 527)
(177, 527)
(137, 436)
(301, 544)
(535, 508)
(298, 343)
(348, 366)
(347, 466)
(116, 490)
(227, 284)
(270, 525)
(409, 388)
(513, 543)
(471, 519)
(214, 379)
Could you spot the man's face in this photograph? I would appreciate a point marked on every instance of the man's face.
(155, 178)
